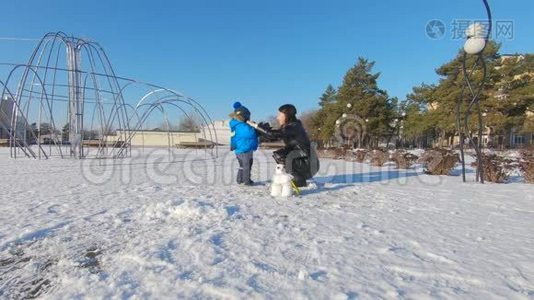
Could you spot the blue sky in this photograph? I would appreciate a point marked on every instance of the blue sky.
(264, 53)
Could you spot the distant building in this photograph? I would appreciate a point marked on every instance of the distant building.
(156, 138)
(516, 57)
(220, 133)
(222, 129)
(6, 111)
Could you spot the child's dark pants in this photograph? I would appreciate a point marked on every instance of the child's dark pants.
(245, 165)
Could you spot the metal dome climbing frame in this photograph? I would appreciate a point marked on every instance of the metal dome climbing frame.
(68, 94)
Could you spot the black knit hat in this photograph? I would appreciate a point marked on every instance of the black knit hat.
(289, 110)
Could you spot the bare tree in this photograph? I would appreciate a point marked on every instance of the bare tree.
(188, 124)
(307, 120)
(272, 121)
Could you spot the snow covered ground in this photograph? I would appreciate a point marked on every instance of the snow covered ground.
(144, 227)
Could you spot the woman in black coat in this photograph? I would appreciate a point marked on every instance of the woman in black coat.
(298, 156)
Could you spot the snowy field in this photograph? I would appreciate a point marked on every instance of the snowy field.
(147, 228)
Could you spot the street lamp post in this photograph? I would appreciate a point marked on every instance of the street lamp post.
(476, 42)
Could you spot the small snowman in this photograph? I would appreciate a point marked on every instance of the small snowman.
(281, 186)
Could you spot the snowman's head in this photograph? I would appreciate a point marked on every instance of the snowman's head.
(280, 169)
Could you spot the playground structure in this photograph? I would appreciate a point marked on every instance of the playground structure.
(67, 101)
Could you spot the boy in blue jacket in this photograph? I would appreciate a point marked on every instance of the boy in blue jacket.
(244, 142)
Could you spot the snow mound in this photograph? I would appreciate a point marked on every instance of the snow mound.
(179, 210)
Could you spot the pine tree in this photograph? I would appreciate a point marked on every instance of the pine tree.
(420, 119)
(514, 97)
(65, 132)
(329, 96)
(367, 101)
(440, 100)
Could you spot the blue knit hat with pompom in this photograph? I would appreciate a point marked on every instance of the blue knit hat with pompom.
(241, 110)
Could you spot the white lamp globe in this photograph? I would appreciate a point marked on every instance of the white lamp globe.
(349, 105)
(338, 122)
(344, 115)
(475, 30)
(474, 45)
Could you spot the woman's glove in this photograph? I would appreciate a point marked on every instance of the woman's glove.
(265, 126)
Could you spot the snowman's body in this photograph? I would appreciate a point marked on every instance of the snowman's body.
(281, 186)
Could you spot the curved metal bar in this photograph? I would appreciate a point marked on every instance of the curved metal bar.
(206, 123)
(171, 102)
(99, 104)
(165, 100)
(17, 109)
(106, 63)
(50, 105)
(116, 111)
(475, 101)
(131, 117)
(490, 19)
(12, 137)
(146, 114)
(459, 121)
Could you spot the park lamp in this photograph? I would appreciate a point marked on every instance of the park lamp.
(476, 40)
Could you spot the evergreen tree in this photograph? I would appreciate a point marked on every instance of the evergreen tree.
(506, 101)
(366, 99)
(329, 96)
(65, 132)
(45, 128)
(420, 119)
(440, 100)
(513, 102)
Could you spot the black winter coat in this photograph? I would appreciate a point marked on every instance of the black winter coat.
(299, 158)
(293, 135)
